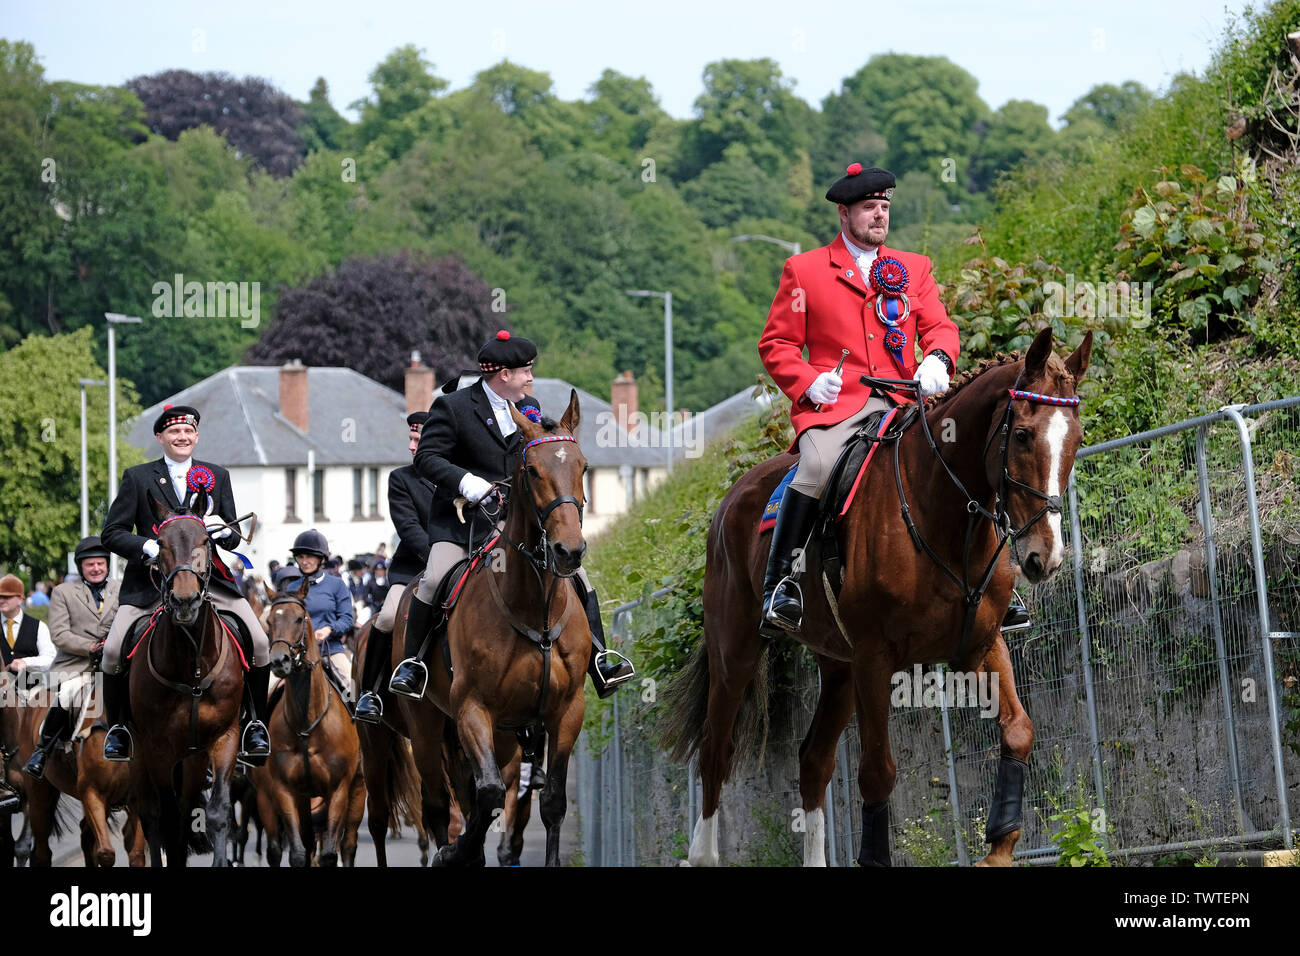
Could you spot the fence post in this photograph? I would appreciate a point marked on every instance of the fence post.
(1085, 643)
(1211, 558)
(963, 858)
(1261, 602)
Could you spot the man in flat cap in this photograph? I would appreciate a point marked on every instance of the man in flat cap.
(468, 442)
(410, 502)
(879, 304)
(128, 531)
(81, 610)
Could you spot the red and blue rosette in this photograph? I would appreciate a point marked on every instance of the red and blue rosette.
(889, 279)
(200, 476)
(532, 413)
(889, 276)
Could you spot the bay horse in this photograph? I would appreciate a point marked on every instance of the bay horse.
(314, 748)
(922, 542)
(518, 642)
(11, 772)
(393, 792)
(186, 694)
(83, 774)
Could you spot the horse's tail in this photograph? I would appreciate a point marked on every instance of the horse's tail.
(685, 714)
(63, 815)
(404, 804)
(197, 839)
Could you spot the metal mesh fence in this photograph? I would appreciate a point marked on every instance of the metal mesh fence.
(1160, 671)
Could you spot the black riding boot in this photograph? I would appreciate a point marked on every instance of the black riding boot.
(255, 741)
(605, 674)
(412, 674)
(370, 706)
(57, 726)
(782, 599)
(118, 745)
(1017, 618)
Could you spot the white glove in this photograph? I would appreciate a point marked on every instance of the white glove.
(223, 533)
(933, 376)
(825, 389)
(474, 488)
(150, 549)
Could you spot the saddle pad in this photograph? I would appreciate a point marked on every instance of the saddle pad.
(768, 521)
(141, 628)
(836, 481)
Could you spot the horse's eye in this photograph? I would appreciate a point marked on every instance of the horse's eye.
(532, 472)
(1022, 435)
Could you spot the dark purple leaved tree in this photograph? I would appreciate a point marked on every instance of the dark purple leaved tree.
(370, 314)
(257, 119)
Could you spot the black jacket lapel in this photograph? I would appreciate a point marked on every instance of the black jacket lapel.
(163, 483)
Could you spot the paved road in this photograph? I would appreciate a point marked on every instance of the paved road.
(403, 851)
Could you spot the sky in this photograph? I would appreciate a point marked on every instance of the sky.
(1048, 52)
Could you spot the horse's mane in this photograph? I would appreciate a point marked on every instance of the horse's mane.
(971, 374)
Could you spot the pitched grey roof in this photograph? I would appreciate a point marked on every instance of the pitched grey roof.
(716, 422)
(352, 420)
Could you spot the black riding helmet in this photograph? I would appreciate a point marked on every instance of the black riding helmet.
(89, 548)
(311, 541)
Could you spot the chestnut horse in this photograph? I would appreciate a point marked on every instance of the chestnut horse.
(314, 749)
(187, 685)
(519, 644)
(393, 793)
(101, 786)
(12, 706)
(922, 542)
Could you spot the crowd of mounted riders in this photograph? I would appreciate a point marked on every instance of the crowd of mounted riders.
(491, 475)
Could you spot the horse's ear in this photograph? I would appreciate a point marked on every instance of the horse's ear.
(271, 592)
(1038, 352)
(199, 502)
(303, 588)
(572, 414)
(1077, 363)
(525, 425)
(160, 509)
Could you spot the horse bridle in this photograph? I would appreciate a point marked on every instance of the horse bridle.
(205, 577)
(540, 555)
(975, 511)
(297, 648)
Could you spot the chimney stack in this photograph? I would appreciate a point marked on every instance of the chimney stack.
(293, 393)
(419, 386)
(622, 395)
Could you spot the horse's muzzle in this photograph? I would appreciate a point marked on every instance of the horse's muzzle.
(567, 560)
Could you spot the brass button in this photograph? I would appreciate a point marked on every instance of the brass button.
(871, 335)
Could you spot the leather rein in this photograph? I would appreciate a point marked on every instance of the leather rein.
(975, 511)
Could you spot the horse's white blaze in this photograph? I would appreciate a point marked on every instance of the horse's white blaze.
(704, 842)
(814, 838)
(1057, 429)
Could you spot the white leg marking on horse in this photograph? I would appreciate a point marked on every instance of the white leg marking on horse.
(1057, 429)
(704, 843)
(814, 838)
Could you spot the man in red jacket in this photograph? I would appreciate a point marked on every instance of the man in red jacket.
(879, 304)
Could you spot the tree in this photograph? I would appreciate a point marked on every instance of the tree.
(928, 110)
(40, 431)
(1016, 132)
(325, 127)
(1112, 106)
(402, 84)
(370, 314)
(256, 118)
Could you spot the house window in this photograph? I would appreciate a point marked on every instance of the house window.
(358, 506)
(291, 494)
(318, 494)
(374, 492)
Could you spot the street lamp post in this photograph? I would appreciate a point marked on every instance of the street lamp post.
(114, 318)
(85, 492)
(668, 358)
